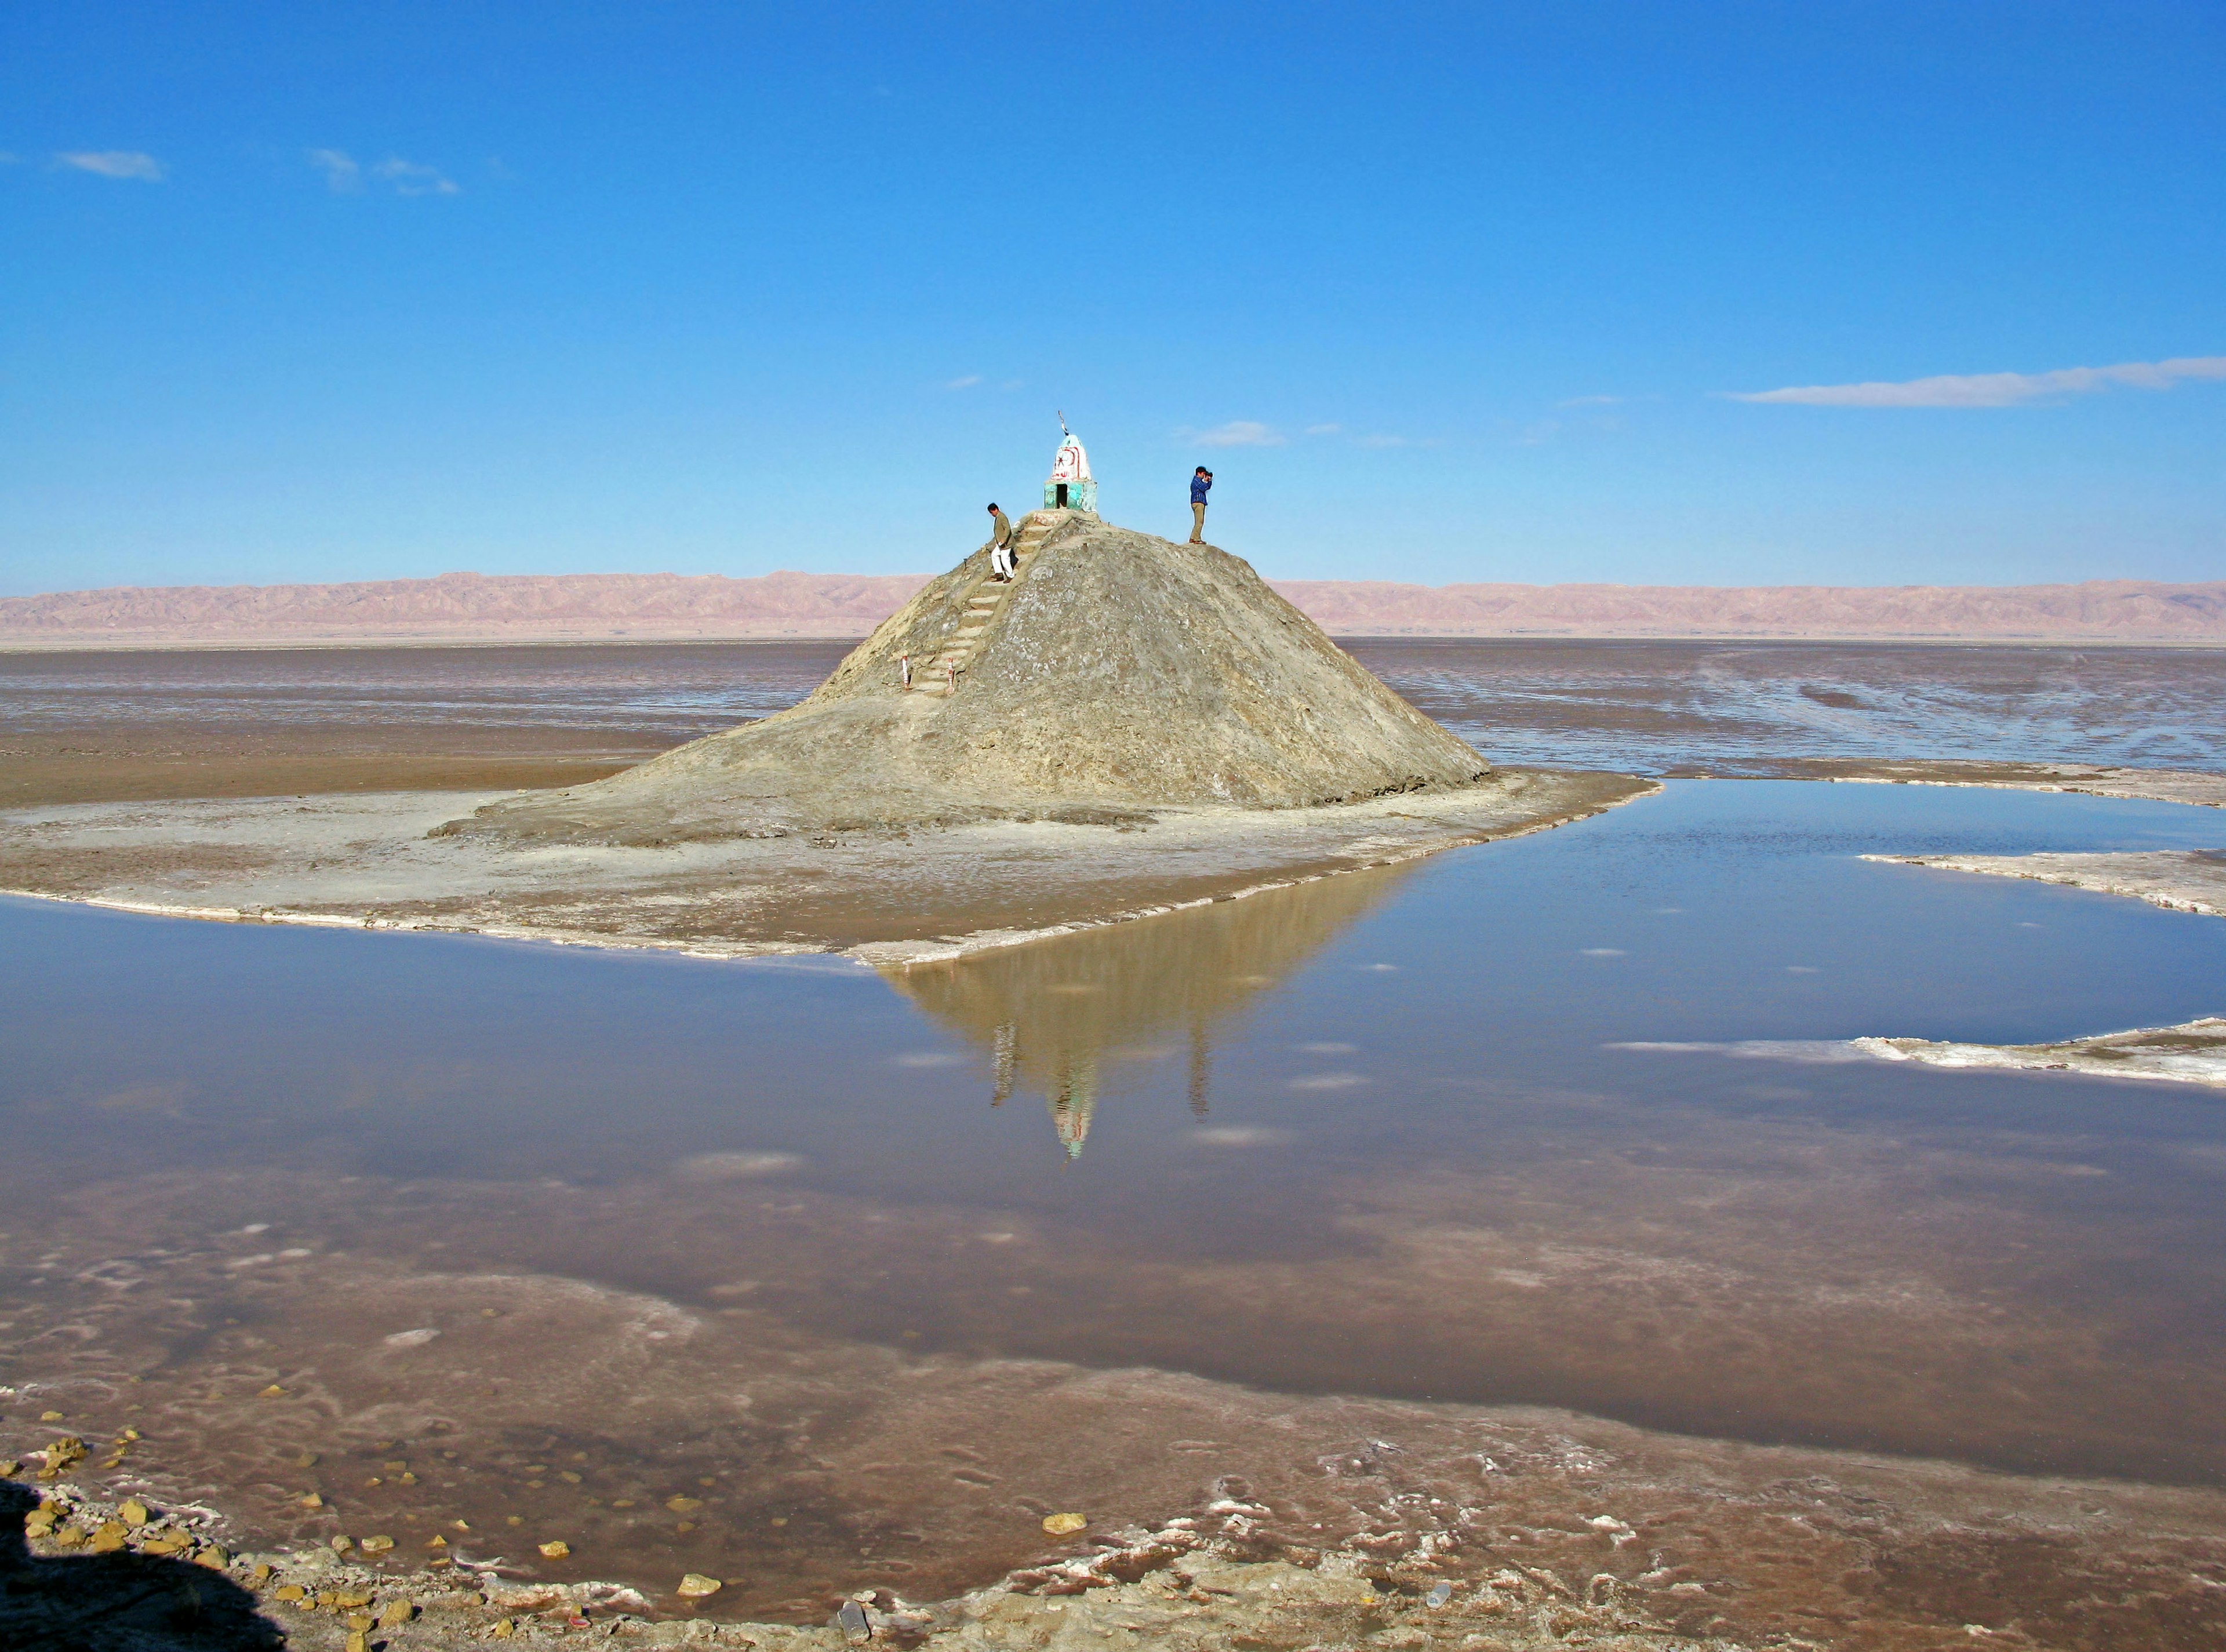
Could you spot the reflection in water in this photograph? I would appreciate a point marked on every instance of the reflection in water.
(1051, 1015)
(478, 1206)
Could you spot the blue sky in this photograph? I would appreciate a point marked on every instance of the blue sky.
(1441, 292)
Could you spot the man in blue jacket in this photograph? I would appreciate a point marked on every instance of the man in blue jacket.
(1200, 482)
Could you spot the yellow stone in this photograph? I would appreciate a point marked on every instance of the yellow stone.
(377, 1545)
(697, 1587)
(214, 1557)
(1060, 1525)
(311, 1500)
(134, 1512)
(129, 1433)
(8, 1466)
(569, 1478)
(50, 1416)
(556, 1550)
(436, 1542)
(683, 1505)
(274, 1392)
(503, 1630)
(395, 1614)
(358, 1641)
(289, 1591)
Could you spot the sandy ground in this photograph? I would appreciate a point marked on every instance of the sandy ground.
(133, 765)
(882, 897)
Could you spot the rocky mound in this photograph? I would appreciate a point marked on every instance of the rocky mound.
(1117, 673)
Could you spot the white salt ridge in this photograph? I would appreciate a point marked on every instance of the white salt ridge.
(2193, 1052)
(2182, 881)
(1811, 1050)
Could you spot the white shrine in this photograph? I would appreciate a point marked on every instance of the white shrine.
(1071, 487)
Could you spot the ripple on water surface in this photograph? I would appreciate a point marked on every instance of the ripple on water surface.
(672, 1259)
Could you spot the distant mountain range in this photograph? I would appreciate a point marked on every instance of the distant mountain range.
(601, 607)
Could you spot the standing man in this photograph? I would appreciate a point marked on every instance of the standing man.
(1201, 481)
(1001, 546)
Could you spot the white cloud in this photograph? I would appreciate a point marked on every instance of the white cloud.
(340, 171)
(411, 179)
(1238, 433)
(114, 164)
(345, 176)
(967, 383)
(1324, 429)
(1997, 390)
(9, 159)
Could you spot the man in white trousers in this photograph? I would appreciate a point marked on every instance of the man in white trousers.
(1001, 546)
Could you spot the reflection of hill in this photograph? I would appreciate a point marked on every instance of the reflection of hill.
(1051, 1015)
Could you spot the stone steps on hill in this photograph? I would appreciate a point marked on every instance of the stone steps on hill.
(986, 603)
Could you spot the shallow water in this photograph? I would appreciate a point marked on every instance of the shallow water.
(1363, 1136)
(1641, 706)
(1653, 707)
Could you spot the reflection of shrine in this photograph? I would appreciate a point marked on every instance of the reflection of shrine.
(1070, 1016)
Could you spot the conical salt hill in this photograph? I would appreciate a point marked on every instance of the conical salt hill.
(1117, 673)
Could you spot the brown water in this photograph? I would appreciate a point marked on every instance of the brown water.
(573, 1236)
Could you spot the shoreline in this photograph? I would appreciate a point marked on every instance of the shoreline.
(1549, 1529)
(362, 862)
(365, 861)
